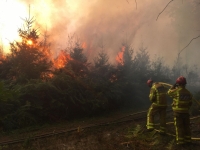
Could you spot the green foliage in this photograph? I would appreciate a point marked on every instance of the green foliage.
(6, 94)
(102, 71)
(35, 94)
(77, 54)
(78, 63)
(103, 80)
(124, 76)
(141, 65)
(38, 102)
(101, 60)
(132, 75)
(27, 60)
(8, 101)
(44, 99)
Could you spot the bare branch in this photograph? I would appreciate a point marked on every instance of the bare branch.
(188, 44)
(163, 9)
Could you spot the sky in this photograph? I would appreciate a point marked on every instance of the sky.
(108, 24)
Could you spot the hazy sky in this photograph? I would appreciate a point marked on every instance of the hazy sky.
(112, 22)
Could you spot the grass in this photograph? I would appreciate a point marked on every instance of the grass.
(123, 136)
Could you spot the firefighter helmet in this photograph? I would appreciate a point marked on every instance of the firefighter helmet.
(181, 80)
(149, 82)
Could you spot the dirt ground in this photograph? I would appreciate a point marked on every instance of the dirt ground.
(129, 135)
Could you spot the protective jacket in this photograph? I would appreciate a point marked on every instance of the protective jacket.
(159, 104)
(182, 99)
(158, 94)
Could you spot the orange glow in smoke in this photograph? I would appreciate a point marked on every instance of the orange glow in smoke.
(120, 56)
(84, 45)
(61, 60)
(12, 13)
(29, 42)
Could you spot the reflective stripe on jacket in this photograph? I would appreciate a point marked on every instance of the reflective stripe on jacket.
(182, 99)
(158, 94)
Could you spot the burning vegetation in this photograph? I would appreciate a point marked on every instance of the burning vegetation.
(120, 56)
(38, 88)
(61, 60)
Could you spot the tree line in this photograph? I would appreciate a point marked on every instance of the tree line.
(33, 91)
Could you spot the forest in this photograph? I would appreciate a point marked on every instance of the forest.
(38, 88)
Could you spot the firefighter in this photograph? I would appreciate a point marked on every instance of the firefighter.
(158, 99)
(182, 100)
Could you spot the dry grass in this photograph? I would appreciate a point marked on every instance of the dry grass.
(123, 136)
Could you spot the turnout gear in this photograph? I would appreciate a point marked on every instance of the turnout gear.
(182, 100)
(159, 105)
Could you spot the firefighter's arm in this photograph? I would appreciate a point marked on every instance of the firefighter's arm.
(172, 92)
(152, 95)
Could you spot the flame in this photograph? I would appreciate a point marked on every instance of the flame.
(10, 13)
(120, 56)
(29, 42)
(61, 60)
(47, 75)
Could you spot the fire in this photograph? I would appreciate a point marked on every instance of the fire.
(120, 56)
(11, 13)
(61, 60)
(47, 14)
(29, 42)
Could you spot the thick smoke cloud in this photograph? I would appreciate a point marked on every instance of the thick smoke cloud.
(112, 22)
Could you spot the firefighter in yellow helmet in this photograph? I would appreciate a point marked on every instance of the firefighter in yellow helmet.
(182, 100)
(158, 99)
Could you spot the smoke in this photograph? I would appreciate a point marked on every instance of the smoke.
(106, 24)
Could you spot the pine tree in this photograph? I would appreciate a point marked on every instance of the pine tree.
(28, 58)
(78, 63)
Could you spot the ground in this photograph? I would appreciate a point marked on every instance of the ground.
(112, 132)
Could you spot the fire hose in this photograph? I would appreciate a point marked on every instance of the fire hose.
(193, 138)
(169, 85)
